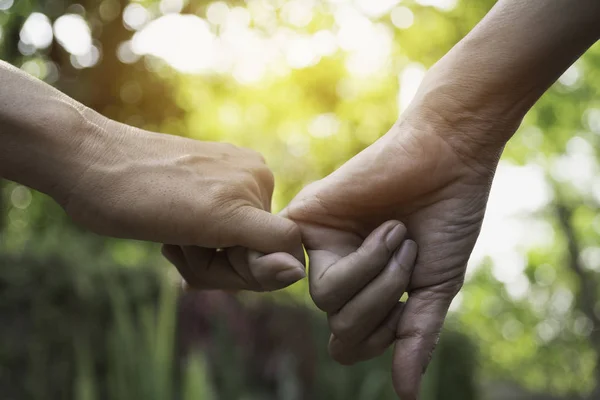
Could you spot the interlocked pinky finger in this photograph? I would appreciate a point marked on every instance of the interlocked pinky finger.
(371, 347)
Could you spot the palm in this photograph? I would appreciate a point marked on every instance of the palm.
(417, 178)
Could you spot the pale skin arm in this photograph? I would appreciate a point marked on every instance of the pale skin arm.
(121, 181)
(39, 133)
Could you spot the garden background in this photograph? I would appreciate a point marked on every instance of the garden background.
(308, 84)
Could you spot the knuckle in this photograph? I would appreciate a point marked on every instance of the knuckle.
(292, 233)
(219, 192)
(377, 253)
(266, 176)
(256, 155)
(405, 269)
(417, 333)
(246, 179)
(392, 288)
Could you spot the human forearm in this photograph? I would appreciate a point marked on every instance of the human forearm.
(501, 68)
(42, 132)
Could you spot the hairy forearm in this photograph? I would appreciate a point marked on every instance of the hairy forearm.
(502, 67)
(42, 133)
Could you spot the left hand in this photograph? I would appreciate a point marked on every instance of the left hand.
(234, 268)
(439, 188)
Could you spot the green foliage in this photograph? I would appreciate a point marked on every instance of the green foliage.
(546, 340)
(89, 334)
(55, 313)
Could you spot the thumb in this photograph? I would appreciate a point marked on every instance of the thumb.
(267, 233)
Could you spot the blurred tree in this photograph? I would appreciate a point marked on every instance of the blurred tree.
(332, 79)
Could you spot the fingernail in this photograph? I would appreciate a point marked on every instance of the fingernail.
(290, 276)
(395, 237)
(407, 254)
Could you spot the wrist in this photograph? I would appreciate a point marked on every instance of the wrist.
(477, 131)
(69, 138)
(38, 140)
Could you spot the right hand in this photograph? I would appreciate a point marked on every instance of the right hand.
(136, 184)
(360, 292)
(429, 173)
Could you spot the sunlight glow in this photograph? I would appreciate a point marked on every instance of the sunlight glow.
(571, 76)
(185, 41)
(135, 16)
(171, 6)
(376, 8)
(227, 43)
(298, 12)
(35, 67)
(237, 20)
(590, 256)
(73, 33)
(509, 230)
(125, 53)
(456, 302)
(547, 330)
(324, 125)
(444, 5)
(6, 4)
(324, 43)
(369, 45)
(300, 52)
(87, 60)
(355, 29)
(410, 79)
(374, 52)
(592, 119)
(217, 12)
(402, 17)
(37, 31)
(577, 166)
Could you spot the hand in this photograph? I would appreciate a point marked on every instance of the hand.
(361, 291)
(147, 186)
(423, 174)
(233, 269)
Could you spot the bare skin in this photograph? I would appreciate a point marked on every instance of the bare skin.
(360, 292)
(125, 182)
(434, 168)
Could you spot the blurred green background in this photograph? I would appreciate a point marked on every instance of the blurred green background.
(308, 84)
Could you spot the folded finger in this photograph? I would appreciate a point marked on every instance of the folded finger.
(333, 285)
(371, 347)
(234, 268)
(206, 269)
(365, 312)
(175, 256)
